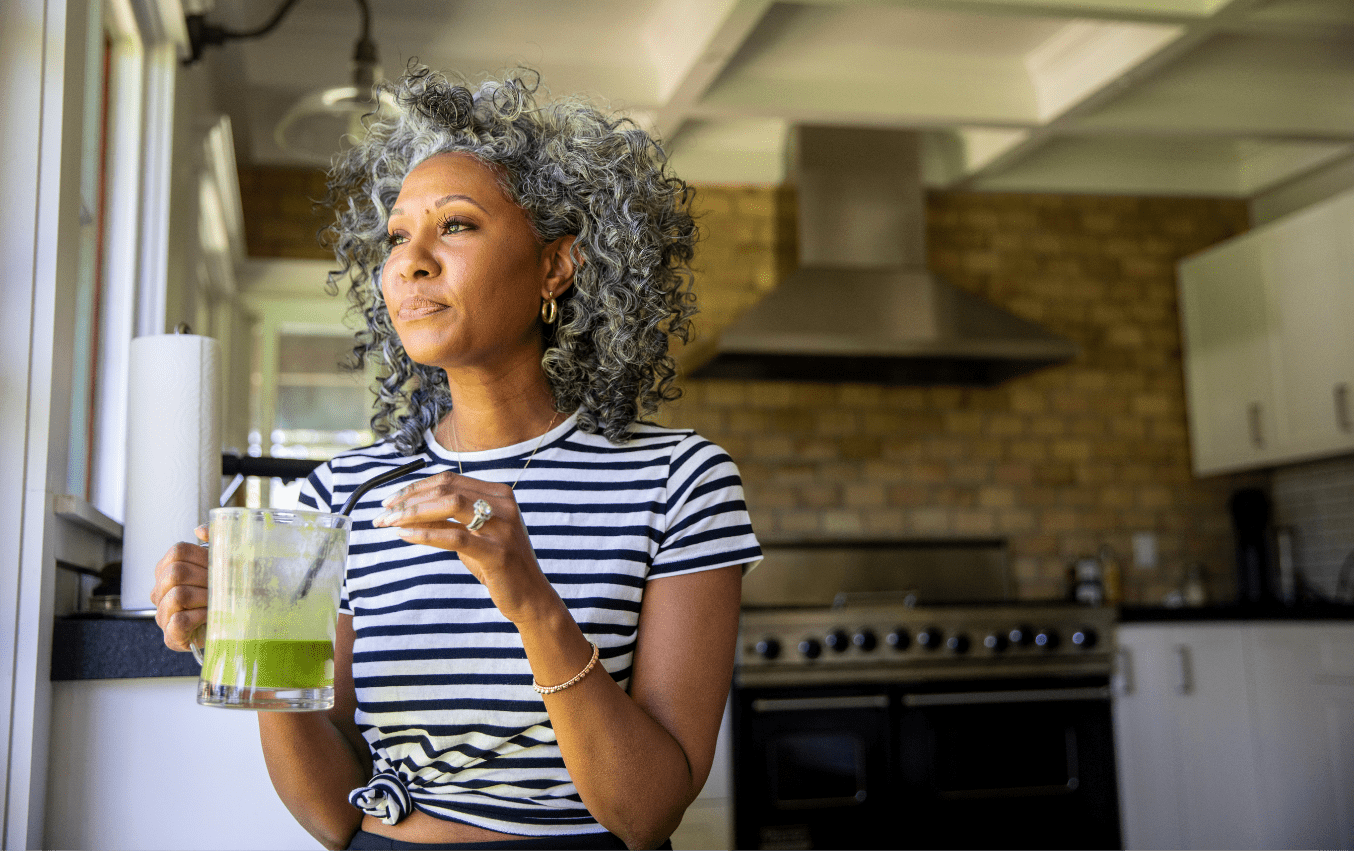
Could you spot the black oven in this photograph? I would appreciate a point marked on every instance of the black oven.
(898, 726)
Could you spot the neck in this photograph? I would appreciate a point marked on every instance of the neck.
(489, 414)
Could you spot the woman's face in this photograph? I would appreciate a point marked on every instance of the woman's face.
(466, 273)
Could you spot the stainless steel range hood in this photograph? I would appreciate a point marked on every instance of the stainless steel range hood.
(862, 306)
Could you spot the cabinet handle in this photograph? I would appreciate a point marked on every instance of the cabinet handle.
(1184, 683)
(1342, 418)
(1253, 414)
(1122, 678)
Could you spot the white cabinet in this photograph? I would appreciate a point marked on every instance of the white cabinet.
(1236, 735)
(1268, 322)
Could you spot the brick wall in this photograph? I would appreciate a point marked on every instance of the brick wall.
(1058, 462)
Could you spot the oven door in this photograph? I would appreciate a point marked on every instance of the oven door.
(811, 767)
(1013, 765)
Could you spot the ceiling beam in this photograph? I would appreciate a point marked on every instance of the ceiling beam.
(1141, 56)
(691, 42)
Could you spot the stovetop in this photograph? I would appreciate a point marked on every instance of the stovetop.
(886, 642)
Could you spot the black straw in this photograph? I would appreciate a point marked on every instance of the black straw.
(375, 481)
(378, 481)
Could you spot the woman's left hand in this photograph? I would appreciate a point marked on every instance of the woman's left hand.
(436, 510)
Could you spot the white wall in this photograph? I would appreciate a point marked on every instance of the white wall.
(137, 764)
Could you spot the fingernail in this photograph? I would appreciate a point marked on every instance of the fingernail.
(383, 519)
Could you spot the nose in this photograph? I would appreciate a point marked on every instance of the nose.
(414, 260)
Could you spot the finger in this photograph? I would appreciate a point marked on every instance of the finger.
(440, 485)
(449, 505)
(202, 532)
(450, 536)
(179, 628)
(419, 487)
(183, 563)
(182, 598)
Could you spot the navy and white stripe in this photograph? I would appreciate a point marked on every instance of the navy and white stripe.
(443, 686)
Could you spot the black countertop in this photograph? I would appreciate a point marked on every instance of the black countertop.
(91, 647)
(1313, 611)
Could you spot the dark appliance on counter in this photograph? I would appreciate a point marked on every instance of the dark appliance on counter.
(893, 696)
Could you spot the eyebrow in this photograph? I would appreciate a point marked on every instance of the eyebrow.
(443, 201)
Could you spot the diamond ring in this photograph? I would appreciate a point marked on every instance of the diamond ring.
(483, 512)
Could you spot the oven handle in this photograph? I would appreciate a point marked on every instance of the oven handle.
(1034, 695)
(795, 704)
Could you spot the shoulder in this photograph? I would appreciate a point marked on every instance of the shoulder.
(366, 459)
(649, 444)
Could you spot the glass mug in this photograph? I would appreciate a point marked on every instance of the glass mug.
(273, 581)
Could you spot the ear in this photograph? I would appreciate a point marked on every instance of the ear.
(558, 258)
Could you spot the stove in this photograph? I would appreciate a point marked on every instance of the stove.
(902, 643)
(895, 695)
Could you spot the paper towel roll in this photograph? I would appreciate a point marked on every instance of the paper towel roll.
(173, 452)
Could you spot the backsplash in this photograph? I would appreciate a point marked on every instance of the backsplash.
(1316, 501)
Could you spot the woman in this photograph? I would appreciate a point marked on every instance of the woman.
(520, 269)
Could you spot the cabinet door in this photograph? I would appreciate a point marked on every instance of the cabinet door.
(1184, 739)
(1146, 742)
(1308, 265)
(1228, 353)
(1303, 694)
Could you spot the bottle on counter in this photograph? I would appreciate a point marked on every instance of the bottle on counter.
(1088, 581)
(1194, 591)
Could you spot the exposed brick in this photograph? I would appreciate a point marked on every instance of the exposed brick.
(1058, 462)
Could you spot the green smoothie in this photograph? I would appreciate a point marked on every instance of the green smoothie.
(270, 663)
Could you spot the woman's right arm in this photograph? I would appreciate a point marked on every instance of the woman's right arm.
(314, 758)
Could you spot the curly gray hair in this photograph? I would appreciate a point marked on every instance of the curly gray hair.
(575, 171)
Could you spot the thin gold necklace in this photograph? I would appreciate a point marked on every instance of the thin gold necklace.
(461, 469)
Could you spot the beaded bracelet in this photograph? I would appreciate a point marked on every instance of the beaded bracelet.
(540, 689)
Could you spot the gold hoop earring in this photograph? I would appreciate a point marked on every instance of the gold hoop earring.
(549, 311)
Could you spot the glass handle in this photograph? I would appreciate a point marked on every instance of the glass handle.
(199, 636)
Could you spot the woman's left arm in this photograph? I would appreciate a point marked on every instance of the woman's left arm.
(639, 759)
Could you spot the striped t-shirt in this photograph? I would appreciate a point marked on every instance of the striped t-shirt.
(444, 693)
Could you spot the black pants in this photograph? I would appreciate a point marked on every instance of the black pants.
(364, 841)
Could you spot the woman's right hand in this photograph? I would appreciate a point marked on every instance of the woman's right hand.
(180, 592)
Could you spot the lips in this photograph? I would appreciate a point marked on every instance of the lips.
(417, 307)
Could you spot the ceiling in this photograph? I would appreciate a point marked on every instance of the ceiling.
(1227, 98)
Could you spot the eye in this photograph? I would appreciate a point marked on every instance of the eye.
(395, 239)
(453, 224)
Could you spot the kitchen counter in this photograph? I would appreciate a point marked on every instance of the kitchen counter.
(90, 647)
(1238, 612)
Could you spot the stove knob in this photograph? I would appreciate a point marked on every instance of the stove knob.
(929, 638)
(995, 641)
(838, 640)
(1085, 638)
(811, 648)
(768, 648)
(1022, 636)
(865, 640)
(1046, 639)
(957, 643)
(898, 639)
